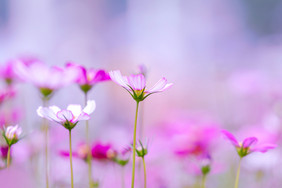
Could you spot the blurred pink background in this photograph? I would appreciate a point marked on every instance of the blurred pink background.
(224, 58)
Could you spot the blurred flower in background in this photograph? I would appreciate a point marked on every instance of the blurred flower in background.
(223, 56)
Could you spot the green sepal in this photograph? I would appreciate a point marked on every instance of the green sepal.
(120, 162)
(8, 141)
(206, 169)
(46, 92)
(242, 152)
(143, 151)
(85, 88)
(68, 125)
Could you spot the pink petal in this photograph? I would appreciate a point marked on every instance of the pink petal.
(263, 148)
(82, 116)
(231, 138)
(21, 71)
(67, 154)
(137, 82)
(101, 75)
(249, 141)
(64, 115)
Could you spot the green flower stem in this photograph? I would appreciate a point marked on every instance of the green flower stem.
(145, 176)
(134, 146)
(238, 174)
(204, 178)
(9, 156)
(71, 159)
(46, 129)
(89, 157)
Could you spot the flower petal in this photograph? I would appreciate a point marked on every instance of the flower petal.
(101, 75)
(90, 107)
(75, 109)
(249, 141)
(21, 71)
(82, 116)
(263, 148)
(231, 138)
(119, 79)
(161, 85)
(64, 115)
(137, 82)
(48, 113)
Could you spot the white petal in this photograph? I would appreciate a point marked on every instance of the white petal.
(55, 109)
(90, 107)
(48, 113)
(75, 109)
(21, 71)
(119, 79)
(161, 85)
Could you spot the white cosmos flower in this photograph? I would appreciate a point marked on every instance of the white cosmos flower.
(69, 117)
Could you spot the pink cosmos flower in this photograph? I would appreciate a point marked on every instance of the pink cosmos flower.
(248, 145)
(136, 85)
(192, 138)
(43, 77)
(7, 72)
(103, 151)
(69, 117)
(12, 134)
(87, 78)
(99, 151)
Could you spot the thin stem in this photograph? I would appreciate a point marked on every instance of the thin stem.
(238, 174)
(71, 158)
(145, 176)
(204, 178)
(122, 177)
(9, 156)
(46, 128)
(88, 146)
(134, 146)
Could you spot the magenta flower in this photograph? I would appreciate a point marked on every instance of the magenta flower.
(87, 78)
(47, 79)
(7, 72)
(248, 145)
(136, 85)
(12, 134)
(69, 117)
(103, 151)
(4, 151)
